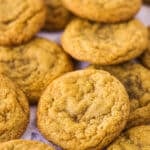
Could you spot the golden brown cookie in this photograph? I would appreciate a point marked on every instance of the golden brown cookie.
(83, 110)
(34, 65)
(20, 20)
(105, 44)
(145, 58)
(136, 80)
(14, 110)
(136, 138)
(24, 145)
(104, 10)
(57, 16)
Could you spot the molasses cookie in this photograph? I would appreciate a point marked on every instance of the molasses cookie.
(146, 56)
(104, 10)
(57, 16)
(105, 44)
(20, 20)
(34, 65)
(24, 145)
(14, 110)
(136, 138)
(136, 80)
(83, 110)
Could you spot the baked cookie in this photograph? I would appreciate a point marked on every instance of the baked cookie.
(24, 145)
(20, 20)
(86, 112)
(104, 10)
(136, 138)
(136, 80)
(146, 56)
(105, 44)
(14, 110)
(34, 65)
(57, 16)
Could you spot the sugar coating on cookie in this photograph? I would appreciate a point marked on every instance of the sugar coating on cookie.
(57, 16)
(146, 56)
(20, 20)
(34, 65)
(82, 110)
(14, 110)
(136, 138)
(136, 80)
(104, 44)
(24, 145)
(107, 11)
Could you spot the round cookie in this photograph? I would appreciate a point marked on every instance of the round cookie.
(136, 138)
(105, 44)
(86, 112)
(104, 10)
(145, 58)
(57, 16)
(136, 80)
(34, 65)
(14, 110)
(20, 20)
(24, 145)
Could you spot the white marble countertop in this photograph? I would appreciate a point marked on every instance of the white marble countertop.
(32, 132)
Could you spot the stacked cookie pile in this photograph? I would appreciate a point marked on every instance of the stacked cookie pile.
(27, 65)
(104, 106)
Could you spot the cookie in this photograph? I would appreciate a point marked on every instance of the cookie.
(86, 112)
(24, 145)
(20, 20)
(34, 65)
(105, 44)
(14, 110)
(136, 138)
(136, 80)
(146, 56)
(57, 16)
(104, 10)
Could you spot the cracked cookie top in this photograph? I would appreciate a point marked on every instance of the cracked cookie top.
(105, 43)
(20, 20)
(34, 65)
(104, 10)
(57, 16)
(24, 145)
(14, 110)
(82, 110)
(136, 138)
(136, 80)
(146, 56)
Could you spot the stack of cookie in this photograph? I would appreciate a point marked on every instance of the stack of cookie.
(106, 105)
(27, 65)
